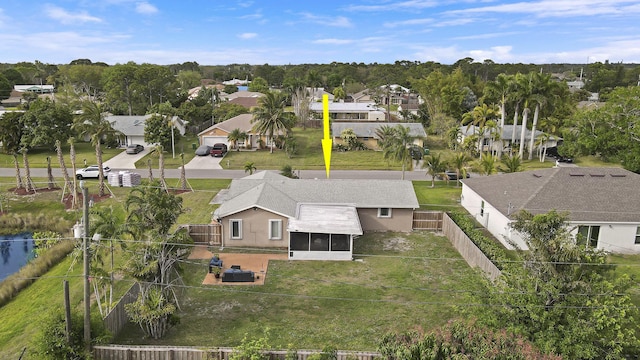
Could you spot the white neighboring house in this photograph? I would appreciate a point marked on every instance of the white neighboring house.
(507, 137)
(343, 111)
(131, 128)
(603, 203)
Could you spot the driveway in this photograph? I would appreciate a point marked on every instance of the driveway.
(126, 161)
(204, 163)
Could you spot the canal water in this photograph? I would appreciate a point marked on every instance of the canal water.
(15, 252)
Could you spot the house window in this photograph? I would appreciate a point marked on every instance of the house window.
(482, 208)
(235, 229)
(275, 229)
(384, 212)
(588, 236)
(638, 235)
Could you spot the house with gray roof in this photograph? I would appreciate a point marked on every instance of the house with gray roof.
(315, 219)
(510, 137)
(344, 111)
(131, 128)
(603, 204)
(366, 132)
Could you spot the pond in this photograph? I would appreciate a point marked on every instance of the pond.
(15, 252)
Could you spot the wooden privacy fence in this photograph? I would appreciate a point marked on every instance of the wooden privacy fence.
(117, 318)
(123, 352)
(427, 220)
(209, 234)
(469, 251)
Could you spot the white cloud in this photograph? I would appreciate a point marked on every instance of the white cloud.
(409, 22)
(65, 17)
(146, 8)
(333, 41)
(246, 36)
(559, 8)
(485, 36)
(254, 16)
(391, 6)
(336, 21)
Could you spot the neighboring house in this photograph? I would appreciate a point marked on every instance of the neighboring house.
(39, 89)
(219, 132)
(507, 138)
(131, 128)
(241, 94)
(246, 102)
(363, 96)
(316, 94)
(343, 111)
(603, 204)
(366, 132)
(315, 219)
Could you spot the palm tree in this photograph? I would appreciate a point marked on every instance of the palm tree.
(92, 123)
(479, 117)
(17, 167)
(183, 174)
(50, 181)
(500, 89)
(270, 118)
(249, 167)
(541, 143)
(543, 88)
(160, 151)
(27, 171)
(397, 147)
(235, 136)
(488, 164)
(63, 166)
(525, 84)
(512, 164)
(72, 156)
(459, 163)
(435, 166)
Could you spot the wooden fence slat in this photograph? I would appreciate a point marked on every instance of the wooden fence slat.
(427, 220)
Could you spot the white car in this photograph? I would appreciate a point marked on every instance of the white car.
(91, 172)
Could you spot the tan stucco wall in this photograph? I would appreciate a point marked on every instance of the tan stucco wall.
(400, 220)
(255, 229)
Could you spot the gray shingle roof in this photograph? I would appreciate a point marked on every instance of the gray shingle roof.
(278, 193)
(588, 194)
(507, 132)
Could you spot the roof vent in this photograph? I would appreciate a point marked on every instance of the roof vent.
(537, 175)
(618, 175)
(596, 175)
(580, 175)
(136, 122)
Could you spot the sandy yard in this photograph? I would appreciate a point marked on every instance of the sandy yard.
(258, 263)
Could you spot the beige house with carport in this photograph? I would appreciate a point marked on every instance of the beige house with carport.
(315, 219)
(219, 132)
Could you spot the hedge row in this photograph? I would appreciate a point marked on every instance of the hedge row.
(496, 253)
(37, 267)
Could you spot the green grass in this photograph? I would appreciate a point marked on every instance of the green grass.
(403, 281)
(38, 157)
(444, 197)
(184, 144)
(309, 156)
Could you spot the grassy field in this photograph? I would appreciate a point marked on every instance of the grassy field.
(399, 281)
(38, 157)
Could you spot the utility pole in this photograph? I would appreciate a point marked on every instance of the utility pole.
(85, 251)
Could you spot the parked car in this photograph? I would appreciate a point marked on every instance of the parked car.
(91, 172)
(453, 176)
(203, 150)
(218, 150)
(134, 148)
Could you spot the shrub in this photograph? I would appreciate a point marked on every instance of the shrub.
(493, 251)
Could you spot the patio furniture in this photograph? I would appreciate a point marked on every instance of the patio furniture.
(237, 275)
(215, 262)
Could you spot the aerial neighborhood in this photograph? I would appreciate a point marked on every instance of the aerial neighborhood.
(194, 211)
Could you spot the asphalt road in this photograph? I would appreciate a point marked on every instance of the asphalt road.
(235, 174)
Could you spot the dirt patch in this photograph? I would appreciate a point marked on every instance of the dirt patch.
(68, 200)
(258, 263)
(396, 244)
(23, 191)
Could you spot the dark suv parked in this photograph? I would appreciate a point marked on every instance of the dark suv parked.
(218, 150)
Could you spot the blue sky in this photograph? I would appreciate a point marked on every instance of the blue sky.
(218, 32)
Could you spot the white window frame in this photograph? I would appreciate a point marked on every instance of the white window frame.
(231, 222)
(637, 240)
(278, 226)
(380, 215)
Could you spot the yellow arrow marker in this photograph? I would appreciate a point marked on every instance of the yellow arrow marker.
(326, 141)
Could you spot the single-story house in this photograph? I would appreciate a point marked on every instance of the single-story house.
(219, 132)
(241, 94)
(507, 137)
(315, 219)
(603, 204)
(366, 132)
(344, 111)
(131, 128)
(246, 102)
(39, 89)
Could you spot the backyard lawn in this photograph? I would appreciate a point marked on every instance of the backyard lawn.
(398, 281)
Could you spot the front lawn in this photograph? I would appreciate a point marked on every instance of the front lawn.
(38, 157)
(399, 281)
